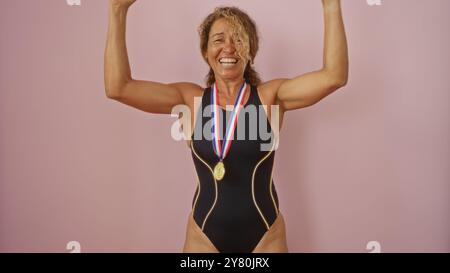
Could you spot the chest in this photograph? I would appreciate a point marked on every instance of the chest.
(251, 137)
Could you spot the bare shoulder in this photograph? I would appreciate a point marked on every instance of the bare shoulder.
(267, 91)
(188, 91)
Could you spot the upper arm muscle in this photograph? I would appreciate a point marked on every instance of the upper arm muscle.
(154, 97)
(305, 90)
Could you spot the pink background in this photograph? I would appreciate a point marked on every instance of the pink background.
(368, 163)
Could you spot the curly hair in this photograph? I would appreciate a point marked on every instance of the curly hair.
(245, 30)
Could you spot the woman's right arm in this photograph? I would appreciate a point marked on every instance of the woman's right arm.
(152, 97)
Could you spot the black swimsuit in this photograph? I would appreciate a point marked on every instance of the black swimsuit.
(238, 210)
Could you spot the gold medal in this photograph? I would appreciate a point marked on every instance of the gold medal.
(219, 171)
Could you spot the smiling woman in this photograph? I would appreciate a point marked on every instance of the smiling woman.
(230, 26)
(235, 207)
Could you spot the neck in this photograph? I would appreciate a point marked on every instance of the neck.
(230, 87)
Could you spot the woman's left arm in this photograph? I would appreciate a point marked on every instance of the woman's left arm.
(308, 89)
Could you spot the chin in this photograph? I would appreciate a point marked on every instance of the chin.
(232, 75)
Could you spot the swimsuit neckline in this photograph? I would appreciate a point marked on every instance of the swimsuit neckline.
(245, 105)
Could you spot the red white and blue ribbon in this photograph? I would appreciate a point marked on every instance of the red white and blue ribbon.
(222, 150)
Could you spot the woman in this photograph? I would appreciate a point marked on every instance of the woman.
(235, 207)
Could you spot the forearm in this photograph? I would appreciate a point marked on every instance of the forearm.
(116, 65)
(335, 55)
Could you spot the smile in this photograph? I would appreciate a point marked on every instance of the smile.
(228, 62)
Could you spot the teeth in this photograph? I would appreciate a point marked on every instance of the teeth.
(228, 60)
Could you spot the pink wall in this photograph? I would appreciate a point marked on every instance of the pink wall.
(368, 163)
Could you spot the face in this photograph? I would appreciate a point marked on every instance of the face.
(222, 53)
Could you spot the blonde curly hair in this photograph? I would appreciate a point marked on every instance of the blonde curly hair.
(245, 31)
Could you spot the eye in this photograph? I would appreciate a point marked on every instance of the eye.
(236, 38)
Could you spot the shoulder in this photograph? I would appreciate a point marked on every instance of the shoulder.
(272, 84)
(188, 90)
(267, 91)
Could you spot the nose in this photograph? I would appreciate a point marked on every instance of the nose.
(229, 46)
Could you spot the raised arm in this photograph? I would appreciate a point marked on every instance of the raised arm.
(152, 97)
(308, 89)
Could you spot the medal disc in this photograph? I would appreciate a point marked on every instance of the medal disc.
(219, 171)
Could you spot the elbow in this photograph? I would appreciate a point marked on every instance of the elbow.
(114, 88)
(338, 82)
(111, 94)
(337, 78)
(341, 82)
(114, 91)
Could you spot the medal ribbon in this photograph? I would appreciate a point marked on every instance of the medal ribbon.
(220, 150)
